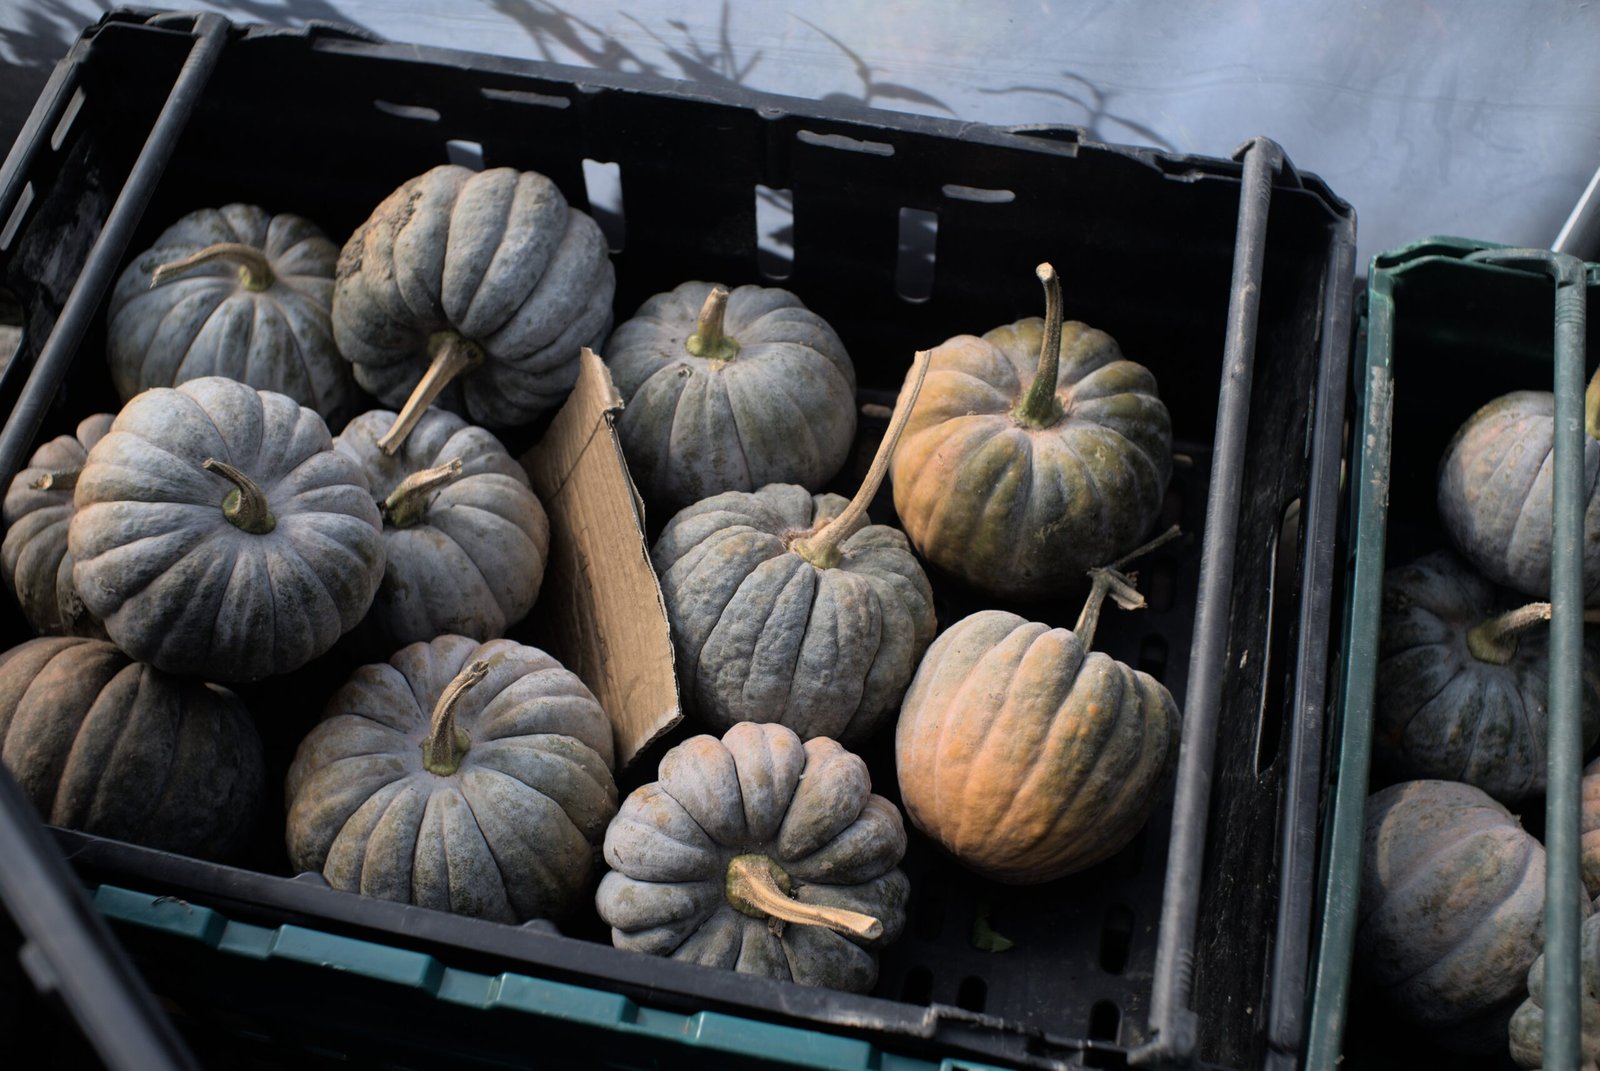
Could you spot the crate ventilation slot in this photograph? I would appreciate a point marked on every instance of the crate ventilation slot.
(523, 96)
(1153, 656)
(973, 993)
(977, 194)
(913, 270)
(464, 153)
(58, 136)
(407, 111)
(774, 232)
(18, 214)
(602, 181)
(839, 141)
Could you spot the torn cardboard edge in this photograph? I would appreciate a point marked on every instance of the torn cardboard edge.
(600, 609)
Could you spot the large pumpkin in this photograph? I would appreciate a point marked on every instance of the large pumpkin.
(237, 292)
(759, 854)
(217, 532)
(38, 506)
(730, 392)
(1462, 686)
(477, 289)
(466, 777)
(1527, 1023)
(1035, 453)
(465, 538)
(110, 746)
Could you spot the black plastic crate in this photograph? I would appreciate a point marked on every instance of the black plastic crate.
(1229, 279)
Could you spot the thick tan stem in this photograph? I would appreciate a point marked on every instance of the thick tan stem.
(1040, 408)
(407, 504)
(450, 355)
(60, 480)
(708, 341)
(822, 548)
(754, 889)
(442, 751)
(255, 271)
(245, 506)
(1111, 580)
(1495, 640)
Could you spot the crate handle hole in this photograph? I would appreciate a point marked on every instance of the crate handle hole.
(602, 181)
(913, 270)
(463, 153)
(408, 111)
(8, 233)
(977, 194)
(58, 136)
(774, 233)
(1283, 599)
(1116, 939)
(847, 144)
(972, 993)
(918, 986)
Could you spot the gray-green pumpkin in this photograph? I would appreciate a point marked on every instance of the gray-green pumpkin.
(38, 506)
(1463, 685)
(466, 777)
(477, 289)
(465, 538)
(730, 391)
(237, 292)
(218, 533)
(1452, 910)
(759, 854)
(1495, 493)
(106, 745)
(1527, 1023)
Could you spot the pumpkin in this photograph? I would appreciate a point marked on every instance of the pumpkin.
(1527, 1022)
(465, 538)
(237, 292)
(1495, 494)
(1589, 823)
(1035, 453)
(38, 505)
(730, 391)
(218, 533)
(465, 777)
(1462, 688)
(1452, 910)
(477, 289)
(788, 607)
(760, 854)
(117, 748)
(1025, 754)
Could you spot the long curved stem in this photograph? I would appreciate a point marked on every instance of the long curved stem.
(255, 271)
(753, 889)
(450, 355)
(1111, 580)
(1040, 407)
(442, 751)
(407, 504)
(246, 506)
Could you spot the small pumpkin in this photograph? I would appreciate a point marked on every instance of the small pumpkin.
(475, 289)
(1452, 910)
(465, 538)
(730, 391)
(1036, 453)
(113, 747)
(465, 777)
(38, 505)
(1495, 493)
(238, 292)
(218, 533)
(1462, 687)
(1527, 1022)
(1027, 755)
(788, 607)
(760, 854)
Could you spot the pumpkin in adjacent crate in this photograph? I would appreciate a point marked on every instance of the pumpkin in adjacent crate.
(1025, 754)
(103, 744)
(38, 507)
(1495, 495)
(761, 854)
(1463, 687)
(238, 292)
(1527, 1022)
(1452, 910)
(465, 538)
(730, 391)
(789, 607)
(471, 778)
(1589, 825)
(1036, 453)
(218, 533)
(476, 289)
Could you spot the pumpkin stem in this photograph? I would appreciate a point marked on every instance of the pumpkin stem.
(822, 548)
(255, 271)
(246, 505)
(1495, 639)
(1111, 580)
(758, 887)
(1040, 407)
(708, 341)
(407, 504)
(442, 751)
(59, 480)
(449, 355)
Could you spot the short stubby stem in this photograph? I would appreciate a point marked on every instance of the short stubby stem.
(407, 504)
(1111, 580)
(446, 744)
(757, 886)
(245, 506)
(708, 341)
(255, 271)
(1495, 640)
(1040, 407)
(449, 356)
(59, 480)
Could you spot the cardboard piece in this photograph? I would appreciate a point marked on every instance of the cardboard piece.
(600, 609)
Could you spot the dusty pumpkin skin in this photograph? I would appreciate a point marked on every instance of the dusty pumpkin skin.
(730, 391)
(238, 292)
(38, 506)
(218, 533)
(1527, 1022)
(465, 538)
(1035, 453)
(686, 849)
(475, 288)
(1452, 910)
(465, 777)
(1589, 840)
(1463, 687)
(106, 745)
